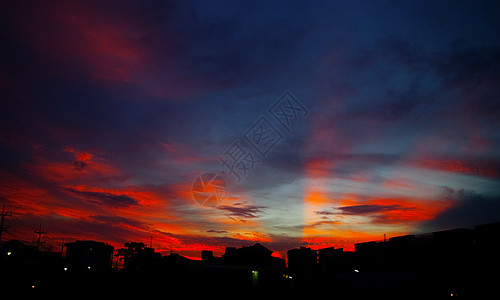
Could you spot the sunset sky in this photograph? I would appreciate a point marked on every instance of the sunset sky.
(367, 118)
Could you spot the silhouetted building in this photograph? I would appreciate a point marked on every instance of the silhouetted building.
(256, 255)
(437, 262)
(452, 262)
(302, 262)
(401, 253)
(487, 238)
(88, 256)
(371, 256)
(487, 257)
(245, 267)
(487, 244)
(15, 248)
(207, 256)
(175, 267)
(22, 266)
(331, 260)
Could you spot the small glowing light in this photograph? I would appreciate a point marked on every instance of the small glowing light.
(65, 269)
(452, 294)
(32, 286)
(88, 267)
(290, 277)
(9, 253)
(356, 270)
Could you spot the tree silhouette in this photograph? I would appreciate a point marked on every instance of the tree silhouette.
(137, 257)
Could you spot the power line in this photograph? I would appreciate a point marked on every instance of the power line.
(19, 223)
(18, 237)
(19, 229)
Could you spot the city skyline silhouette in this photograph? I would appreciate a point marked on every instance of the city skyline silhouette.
(168, 129)
(445, 263)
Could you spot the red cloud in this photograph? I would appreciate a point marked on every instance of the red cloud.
(79, 155)
(458, 166)
(394, 211)
(345, 240)
(24, 197)
(85, 166)
(109, 46)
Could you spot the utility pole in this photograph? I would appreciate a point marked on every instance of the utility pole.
(62, 246)
(151, 242)
(3, 215)
(39, 232)
(117, 254)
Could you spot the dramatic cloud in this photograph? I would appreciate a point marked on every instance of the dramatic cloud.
(107, 199)
(119, 220)
(370, 209)
(242, 210)
(112, 109)
(469, 209)
(217, 231)
(324, 212)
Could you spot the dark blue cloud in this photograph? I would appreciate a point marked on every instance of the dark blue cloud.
(370, 209)
(469, 209)
(242, 210)
(106, 199)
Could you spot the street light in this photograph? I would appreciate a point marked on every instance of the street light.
(255, 278)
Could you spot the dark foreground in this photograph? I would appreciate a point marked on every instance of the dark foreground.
(243, 282)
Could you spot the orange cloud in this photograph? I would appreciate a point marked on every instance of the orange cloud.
(340, 239)
(252, 236)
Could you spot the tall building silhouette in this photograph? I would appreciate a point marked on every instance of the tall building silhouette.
(302, 262)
